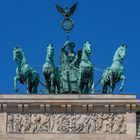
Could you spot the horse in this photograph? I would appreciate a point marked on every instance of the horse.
(86, 70)
(115, 72)
(24, 73)
(50, 72)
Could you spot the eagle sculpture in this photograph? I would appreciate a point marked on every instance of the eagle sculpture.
(67, 12)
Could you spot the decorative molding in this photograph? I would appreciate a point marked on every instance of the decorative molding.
(64, 123)
(47, 107)
(20, 107)
(84, 108)
(42, 108)
(133, 107)
(90, 108)
(5, 107)
(68, 108)
(127, 107)
(112, 108)
(63, 108)
(26, 107)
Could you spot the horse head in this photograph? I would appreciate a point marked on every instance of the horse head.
(18, 55)
(50, 52)
(87, 47)
(120, 53)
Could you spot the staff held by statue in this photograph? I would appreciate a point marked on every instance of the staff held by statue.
(67, 23)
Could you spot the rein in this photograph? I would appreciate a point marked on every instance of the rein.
(87, 61)
(42, 84)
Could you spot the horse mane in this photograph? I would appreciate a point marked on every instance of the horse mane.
(115, 58)
(24, 59)
(50, 46)
(83, 51)
(23, 55)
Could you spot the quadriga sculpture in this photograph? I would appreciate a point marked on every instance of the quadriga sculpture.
(24, 73)
(50, 72)
(86, 70)
(115, 72)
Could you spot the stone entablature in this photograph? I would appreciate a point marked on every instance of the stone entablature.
(67, 103)
(68, 116)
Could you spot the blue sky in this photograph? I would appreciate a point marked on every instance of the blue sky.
(32, 24)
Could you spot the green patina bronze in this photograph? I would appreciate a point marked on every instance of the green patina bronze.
(86, 71)
(51, 72)
(115, 72)
(67, 23)
(24, 73)
(69, 68)
(76, 70)
(75, 74)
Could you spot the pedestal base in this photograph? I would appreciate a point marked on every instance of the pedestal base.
(66, 117)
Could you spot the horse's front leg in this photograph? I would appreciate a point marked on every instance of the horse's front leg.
(92, 88)
(104, 86)
(15, 83)
(111, 84)
(79, 81)
(52, 88)
(91, 83)
(112, 88)
(122, 84)
(27, 85)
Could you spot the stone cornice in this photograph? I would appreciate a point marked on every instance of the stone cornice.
(67, 103)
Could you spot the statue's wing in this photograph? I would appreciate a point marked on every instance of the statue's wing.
(72, 9)
(60, 9)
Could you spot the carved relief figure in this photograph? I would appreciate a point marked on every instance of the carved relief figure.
(10, 123)
(92, 124)
(99, 122)
(107, 123)
(26, 121)
(118, 124)
(17, 123)
(35, 123)
(46, 123)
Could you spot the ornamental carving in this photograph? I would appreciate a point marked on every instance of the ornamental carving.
(66, 123)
